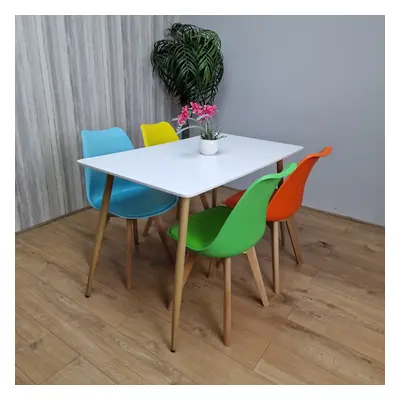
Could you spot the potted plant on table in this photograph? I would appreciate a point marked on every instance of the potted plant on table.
(190, 63)
(203, 118)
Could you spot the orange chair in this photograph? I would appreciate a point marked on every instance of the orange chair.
(285, 202)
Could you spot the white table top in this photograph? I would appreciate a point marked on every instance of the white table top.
(178, 167)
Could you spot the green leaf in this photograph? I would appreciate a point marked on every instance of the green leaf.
(189, 62)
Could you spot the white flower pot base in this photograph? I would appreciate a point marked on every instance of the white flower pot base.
(208, 147)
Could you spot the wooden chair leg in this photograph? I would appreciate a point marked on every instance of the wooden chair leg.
(283, 237)
(293, 238)
(148, 226)
(275, 255)
(255, 267)
(215, 264)
(227, 302)
(187, 268)
(204, 201)
(211, 268)
(129, 252)
(163, 236)
(135, 232)
(107, 220)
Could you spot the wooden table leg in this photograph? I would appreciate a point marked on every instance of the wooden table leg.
(129, 251)
(179, 267)
(177, 209)
(190, 260)
(214, 197)
(279, 168)
(204, 201)
(100, 231)
(275, 256)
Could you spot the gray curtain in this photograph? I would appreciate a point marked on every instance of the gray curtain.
(74, 73)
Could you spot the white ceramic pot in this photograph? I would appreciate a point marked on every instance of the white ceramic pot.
(208, 147)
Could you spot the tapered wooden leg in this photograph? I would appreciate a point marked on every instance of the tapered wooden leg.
(293, 238)
(227, 302)
(148, 226)
(129, 252)
(190, 260)
(100, 231)
(179, 268)
(211, 267)
(204, 201)
(107, 220)
(135, 231)
(279, 168)
(255, 267)
(283, 237)
(214, 264)
(177, 210)
(275, 255)
(214, 197)
(163, 236)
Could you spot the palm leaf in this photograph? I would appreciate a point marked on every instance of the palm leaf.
(189, 62)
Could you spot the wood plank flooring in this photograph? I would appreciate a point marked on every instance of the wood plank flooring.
(326, 327)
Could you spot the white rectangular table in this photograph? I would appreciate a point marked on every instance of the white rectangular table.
(178, 168)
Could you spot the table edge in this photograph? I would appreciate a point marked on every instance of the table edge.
(186, 195)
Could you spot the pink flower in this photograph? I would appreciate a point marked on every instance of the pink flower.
(210, 110)
(197, 109)
(183, 116)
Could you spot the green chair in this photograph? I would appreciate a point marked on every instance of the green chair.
(222, 232)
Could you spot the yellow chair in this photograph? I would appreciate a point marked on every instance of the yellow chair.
(161, 133)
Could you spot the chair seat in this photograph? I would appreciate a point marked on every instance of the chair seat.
(203, 227)
(131, 200)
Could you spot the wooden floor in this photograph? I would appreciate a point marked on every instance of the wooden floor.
(327, 326)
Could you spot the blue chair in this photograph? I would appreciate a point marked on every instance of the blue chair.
(128, 199)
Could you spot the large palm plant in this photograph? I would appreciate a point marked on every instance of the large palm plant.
(190, 63)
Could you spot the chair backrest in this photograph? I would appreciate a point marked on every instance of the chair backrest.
(98, 143)
(159, 133)
(245, 225)
(288, 198)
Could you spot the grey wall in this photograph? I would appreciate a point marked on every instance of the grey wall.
(74, 73)
(312, 81)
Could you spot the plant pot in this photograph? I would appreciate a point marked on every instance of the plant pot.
(208, 147)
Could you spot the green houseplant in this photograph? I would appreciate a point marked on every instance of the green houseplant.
(190, 63)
